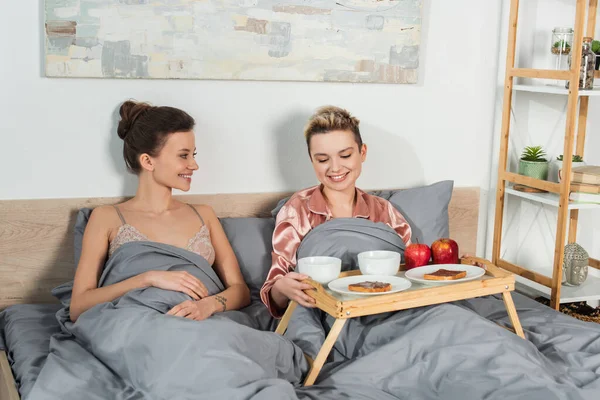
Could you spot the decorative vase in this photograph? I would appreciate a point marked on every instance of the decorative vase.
(560, 47)
(555, 168)
(534, 169)
(587, 67)
(575, 265)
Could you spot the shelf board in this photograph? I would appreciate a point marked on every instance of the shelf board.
(554, 89)
(588, 291)
(551, 199)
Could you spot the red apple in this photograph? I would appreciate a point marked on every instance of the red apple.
(416, 255)
(444, 251)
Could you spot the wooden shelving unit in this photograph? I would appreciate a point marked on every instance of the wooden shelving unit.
(574, 143)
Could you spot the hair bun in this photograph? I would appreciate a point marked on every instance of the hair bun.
(129, 112)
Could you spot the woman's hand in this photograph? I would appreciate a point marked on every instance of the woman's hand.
(179, 281)
(291, 286)
(196, 310)
(475, 263)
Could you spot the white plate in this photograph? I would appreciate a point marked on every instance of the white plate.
(416, 274)
(340, 285)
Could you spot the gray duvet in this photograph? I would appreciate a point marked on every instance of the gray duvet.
(128, 349)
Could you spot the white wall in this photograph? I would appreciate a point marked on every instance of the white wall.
(530, 230)
(59, 140)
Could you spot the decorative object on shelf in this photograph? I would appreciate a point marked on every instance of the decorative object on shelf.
(533, 163)
(555, 167)
(585, 184)
(575, 265)
(588, 198)
(587, 174)
(596, 50)
(562, 40)
(587, 67)
(584, 188)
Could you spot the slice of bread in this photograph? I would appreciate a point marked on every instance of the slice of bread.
(445, 275)
(370, 287)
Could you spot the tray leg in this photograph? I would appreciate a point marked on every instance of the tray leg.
(309, 360)
(285, 320)
(512, 314)
(324, 352)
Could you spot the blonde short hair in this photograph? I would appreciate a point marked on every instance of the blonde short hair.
(330, 118)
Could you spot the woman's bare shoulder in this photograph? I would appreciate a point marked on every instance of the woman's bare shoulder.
(103, 219)
(206, 211)
(104, 213)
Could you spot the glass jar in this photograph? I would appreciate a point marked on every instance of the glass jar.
(562, 42)
(587, 67)
(575, 265)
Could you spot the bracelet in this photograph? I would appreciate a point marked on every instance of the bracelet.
(222, 300)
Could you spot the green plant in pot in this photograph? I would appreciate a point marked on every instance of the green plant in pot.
(533, 163)
(596, 50)
(575, 158)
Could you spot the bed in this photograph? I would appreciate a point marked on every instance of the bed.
(38, 246)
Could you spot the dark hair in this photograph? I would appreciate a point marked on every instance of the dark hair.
(332, 118)
(145, 128)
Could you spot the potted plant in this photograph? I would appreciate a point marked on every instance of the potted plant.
(596, 50)
(533, 162)
(556, 167)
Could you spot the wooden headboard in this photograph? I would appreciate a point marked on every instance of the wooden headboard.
(36, 236)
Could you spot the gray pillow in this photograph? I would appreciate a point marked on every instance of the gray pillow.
(424, 207)
(251, 240)
(63, 291)
(83, 216)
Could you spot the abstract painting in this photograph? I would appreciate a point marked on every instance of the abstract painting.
(373, 41)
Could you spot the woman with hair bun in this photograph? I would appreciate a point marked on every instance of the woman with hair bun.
(159, 147)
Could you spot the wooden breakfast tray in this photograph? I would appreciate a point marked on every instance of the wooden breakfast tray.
(341, 308)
